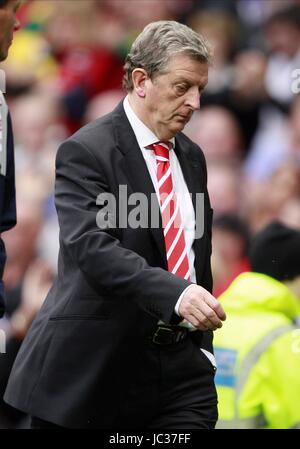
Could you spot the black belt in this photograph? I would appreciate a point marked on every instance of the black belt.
(169, 335)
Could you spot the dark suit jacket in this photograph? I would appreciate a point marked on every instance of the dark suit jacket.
(112, 287)
(7, 204)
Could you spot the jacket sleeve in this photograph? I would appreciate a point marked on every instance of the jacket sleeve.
(99, 253)
(8, 212)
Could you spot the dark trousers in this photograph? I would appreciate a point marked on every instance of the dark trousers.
(37, 423)
(173, 388)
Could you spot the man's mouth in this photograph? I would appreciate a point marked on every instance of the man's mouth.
(184, 117)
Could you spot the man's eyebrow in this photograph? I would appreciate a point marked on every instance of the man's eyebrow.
(181, 80)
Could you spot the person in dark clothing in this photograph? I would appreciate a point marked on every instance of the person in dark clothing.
(124, 337)
(8, 24)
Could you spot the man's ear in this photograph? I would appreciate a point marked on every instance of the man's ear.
(139, 78)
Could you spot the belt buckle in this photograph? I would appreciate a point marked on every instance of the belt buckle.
(168, 332)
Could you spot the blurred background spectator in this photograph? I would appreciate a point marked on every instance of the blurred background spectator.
(65, 69)
(229, 255)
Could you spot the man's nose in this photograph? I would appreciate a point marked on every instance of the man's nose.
(193, 99)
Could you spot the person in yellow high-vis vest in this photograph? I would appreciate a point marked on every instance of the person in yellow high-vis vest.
(258, 351)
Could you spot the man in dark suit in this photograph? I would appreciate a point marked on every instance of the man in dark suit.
(8, 24)
(117, 342)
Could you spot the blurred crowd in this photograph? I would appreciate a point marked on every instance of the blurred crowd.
(65, 69)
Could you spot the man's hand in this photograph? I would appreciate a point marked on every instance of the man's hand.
(201, 309)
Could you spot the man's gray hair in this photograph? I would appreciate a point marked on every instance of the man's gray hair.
(157, 43)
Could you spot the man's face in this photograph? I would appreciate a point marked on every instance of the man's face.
(173, 96)
(8, 24)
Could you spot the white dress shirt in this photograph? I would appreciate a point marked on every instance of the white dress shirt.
(145, 137)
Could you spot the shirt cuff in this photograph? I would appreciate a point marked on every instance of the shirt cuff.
(180, 298)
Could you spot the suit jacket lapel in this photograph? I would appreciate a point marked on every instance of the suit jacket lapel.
(140, 180)
(138, 175)
(194, 178)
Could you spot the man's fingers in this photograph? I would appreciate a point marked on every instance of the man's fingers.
(201, 309)
(215, 305)
(195, 322)
(202, 320)
(211, 316)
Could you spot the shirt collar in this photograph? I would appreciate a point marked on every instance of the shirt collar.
(143, 134)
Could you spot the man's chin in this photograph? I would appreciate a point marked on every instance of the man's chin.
(171, 131)
(178, 126)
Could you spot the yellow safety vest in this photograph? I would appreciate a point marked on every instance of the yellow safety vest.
(258, 355)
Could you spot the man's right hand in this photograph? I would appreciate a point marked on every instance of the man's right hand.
(201, 309)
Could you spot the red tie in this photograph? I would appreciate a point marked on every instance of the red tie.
(173, 229)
